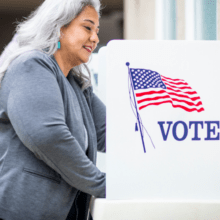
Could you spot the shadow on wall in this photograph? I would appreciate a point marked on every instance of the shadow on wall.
(7, 26)
(111, 27)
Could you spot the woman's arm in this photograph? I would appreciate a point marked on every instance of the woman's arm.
(99, 116)
(36, 110)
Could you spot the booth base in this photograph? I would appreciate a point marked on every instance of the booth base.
(103, 209)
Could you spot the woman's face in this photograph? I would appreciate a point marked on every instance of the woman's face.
(80, 37)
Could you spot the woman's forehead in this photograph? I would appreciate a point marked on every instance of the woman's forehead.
(89, 14)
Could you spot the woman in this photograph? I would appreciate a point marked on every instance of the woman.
(51, 124)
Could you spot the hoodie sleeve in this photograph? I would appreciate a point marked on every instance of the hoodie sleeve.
(36, 110)
(99, 116)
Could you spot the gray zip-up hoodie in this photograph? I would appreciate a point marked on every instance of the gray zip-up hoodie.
(43, 163)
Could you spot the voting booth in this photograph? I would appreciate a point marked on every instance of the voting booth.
(163, 130)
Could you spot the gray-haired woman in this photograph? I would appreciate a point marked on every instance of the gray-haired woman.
(51, 123)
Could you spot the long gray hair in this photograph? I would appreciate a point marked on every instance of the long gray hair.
(41, 31)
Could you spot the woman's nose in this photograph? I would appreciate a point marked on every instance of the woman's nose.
(94, 38)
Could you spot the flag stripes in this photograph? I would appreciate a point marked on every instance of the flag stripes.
(151, 88)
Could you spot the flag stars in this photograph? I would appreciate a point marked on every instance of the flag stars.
(146, 79)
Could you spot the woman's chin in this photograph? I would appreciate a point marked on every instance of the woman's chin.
(86, 60)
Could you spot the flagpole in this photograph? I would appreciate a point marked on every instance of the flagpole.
(128, 64)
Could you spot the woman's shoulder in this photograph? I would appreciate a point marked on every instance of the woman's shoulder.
(29, 60)
(34, 62)
(31, 56)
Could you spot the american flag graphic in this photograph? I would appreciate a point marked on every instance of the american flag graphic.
(151, 88)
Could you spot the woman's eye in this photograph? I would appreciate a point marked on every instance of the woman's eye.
(88, 28)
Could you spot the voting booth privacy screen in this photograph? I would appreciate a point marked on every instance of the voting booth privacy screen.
(163, 118)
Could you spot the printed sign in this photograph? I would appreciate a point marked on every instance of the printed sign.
(163, 120)
(150, 88)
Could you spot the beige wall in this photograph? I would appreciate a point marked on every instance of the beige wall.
(180, 21)
(142, 21)
(139, 19)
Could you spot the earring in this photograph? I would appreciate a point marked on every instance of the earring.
(58, 45)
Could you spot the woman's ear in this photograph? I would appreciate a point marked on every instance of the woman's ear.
(61, 32)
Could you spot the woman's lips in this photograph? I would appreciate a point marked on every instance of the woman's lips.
(88, 48)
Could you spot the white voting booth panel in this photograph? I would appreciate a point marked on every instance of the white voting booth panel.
(184, 165)
(162, 147)
(93, 67)
(101, 88)
(102, 73)
(154, 210)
